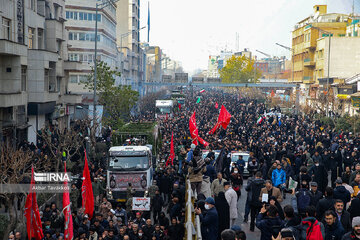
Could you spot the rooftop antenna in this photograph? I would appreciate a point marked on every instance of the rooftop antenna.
(237, 42)
(353, 8)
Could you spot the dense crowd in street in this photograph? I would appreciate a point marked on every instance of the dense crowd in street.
(283, 149)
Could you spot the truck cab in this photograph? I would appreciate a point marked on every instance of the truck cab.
(128, 164)
(164, 108)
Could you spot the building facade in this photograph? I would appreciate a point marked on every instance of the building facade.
(128, 36)
(32, 81)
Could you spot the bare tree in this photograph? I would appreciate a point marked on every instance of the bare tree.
(16, 169)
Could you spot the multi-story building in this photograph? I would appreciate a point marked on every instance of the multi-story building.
(32, 83)
(80, 23)
(305, 37)
(128, 36)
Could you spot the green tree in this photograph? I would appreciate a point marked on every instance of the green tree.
(239, 69)
(117, 100)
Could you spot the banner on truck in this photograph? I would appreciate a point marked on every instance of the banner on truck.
(141, 204)
(119, 181)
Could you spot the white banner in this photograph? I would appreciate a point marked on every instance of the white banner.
(141, 204)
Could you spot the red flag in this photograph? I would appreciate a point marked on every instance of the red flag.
(172, 152)
(179, 106)
(193, 129)
(87, 192)
(223, 120)
(68, 229)
(32, 214)
(194, 132)
(216, 105)
(272, 93)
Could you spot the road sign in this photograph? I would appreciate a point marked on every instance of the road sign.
(181, 77)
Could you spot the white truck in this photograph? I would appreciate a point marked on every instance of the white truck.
(128, 164)
(164, 108)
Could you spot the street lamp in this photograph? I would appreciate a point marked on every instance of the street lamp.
(293, 73)
(127, 34)
(99, 6)
(328, 70)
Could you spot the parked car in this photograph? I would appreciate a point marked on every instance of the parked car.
(245, 155)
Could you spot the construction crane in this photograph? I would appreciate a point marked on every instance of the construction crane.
(268, 55)
(288, 48)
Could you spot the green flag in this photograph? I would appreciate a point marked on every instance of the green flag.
(198, 100)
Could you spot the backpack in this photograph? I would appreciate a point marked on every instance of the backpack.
(314, 232)
(303, 199)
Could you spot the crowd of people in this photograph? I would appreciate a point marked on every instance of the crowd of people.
(289, 157)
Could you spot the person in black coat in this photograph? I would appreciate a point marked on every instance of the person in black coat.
(319, 174)
(340, 192)
(223, 210)
(209, 220)
(316, 195)
(354, 208)
(175, 230)
(333, 228)
(269, 223)
(325, 203)
(343, 215)
(157, 203)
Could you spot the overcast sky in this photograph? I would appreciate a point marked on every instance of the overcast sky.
(191, 30)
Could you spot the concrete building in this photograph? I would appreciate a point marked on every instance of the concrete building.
(32, 81)
(304, 41)
(80, 23)
(128, 36)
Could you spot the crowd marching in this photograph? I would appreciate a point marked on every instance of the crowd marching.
(289, 157)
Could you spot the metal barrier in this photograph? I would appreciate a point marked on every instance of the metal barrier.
(192, 220)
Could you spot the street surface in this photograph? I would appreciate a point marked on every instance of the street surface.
(241, 210)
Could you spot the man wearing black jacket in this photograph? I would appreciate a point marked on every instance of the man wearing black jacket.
(325, 203)
(342, 215)
(316, 195)
(255, 205)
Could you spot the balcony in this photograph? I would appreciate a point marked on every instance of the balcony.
(310, 45)
(12, 48)
(71, 99)
(308, 79)
(309, 63)
(13, 99)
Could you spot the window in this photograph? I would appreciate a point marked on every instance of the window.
(32, 4)
(46, 80)
(23, 77)
(31, 43)
(90, 16)
(81, 16)
(40, 38)
(82, 78)
(75, 15)
(58, 84)
(67, 14)
(71, 15)
(85, 16)
(70, 36)
(59, 46)
(73, 78)
(82, 36)
(6, 28)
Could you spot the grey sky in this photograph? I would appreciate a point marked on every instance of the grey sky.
(191, 30)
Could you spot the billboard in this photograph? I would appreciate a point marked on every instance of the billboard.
(119, 181)
(181, 77)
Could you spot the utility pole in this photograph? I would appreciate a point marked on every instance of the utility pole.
(328, 70)
(292, 75)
